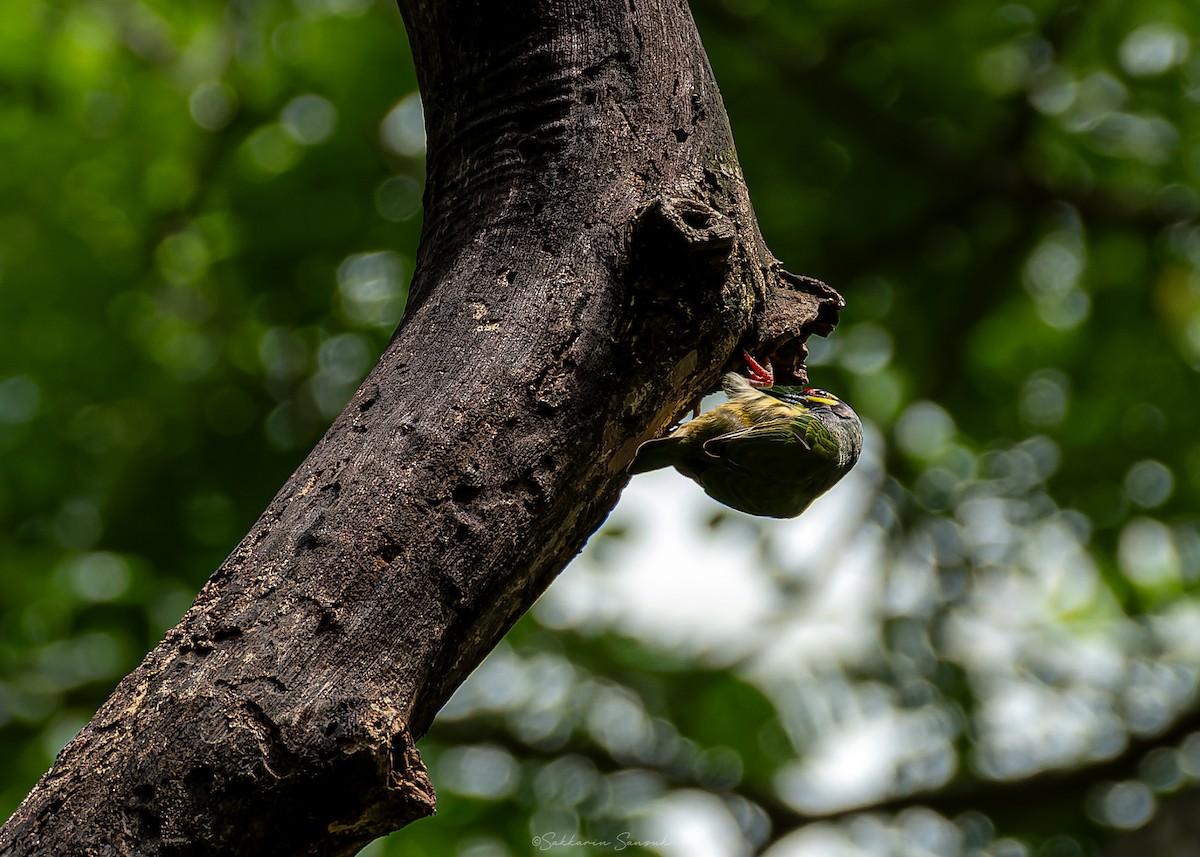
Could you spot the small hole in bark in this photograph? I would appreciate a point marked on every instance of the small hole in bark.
(681, 135)
(464, 493)
(387, 552)
(143, 792)
(150, 824)
(328, 622)
(307, 542)
(199, 780)
(330, 728)
(527, 148)
(461, 532)
(226, 634)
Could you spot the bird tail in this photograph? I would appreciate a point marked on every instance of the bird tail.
(653, 454)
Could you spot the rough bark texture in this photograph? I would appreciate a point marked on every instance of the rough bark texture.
(590, 263)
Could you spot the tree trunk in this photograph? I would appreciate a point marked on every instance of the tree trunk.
(589, 264)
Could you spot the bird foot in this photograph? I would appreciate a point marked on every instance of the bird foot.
(760, 376)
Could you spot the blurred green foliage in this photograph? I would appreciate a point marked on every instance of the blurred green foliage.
(208, 215)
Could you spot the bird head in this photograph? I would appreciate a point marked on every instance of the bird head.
(812, 398)
(819, 400)
(815, 397)
(838, 417)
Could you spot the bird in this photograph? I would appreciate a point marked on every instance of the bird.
(768, 451)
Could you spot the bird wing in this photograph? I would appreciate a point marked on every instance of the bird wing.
(763, 470)
(767, 444)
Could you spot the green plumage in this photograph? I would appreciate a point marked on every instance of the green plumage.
(768, 451)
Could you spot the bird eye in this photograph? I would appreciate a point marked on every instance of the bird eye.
(823, 397)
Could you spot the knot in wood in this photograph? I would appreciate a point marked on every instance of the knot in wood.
(683, 245)
(692, 225)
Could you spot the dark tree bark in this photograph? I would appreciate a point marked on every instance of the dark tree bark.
(589, 264)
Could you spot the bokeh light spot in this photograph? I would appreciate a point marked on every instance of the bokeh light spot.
(1152, 49)
(283, 353)
(309, 119)
(1044, 398)
(1126, 805)
(398, 198)
(271, 150)
(1146, 553)
(1003, 70)
(372, 288)
(1149, 483)
(403, 128)
(212, 105)
(866, 348)
(183, 256)
(96, 576)
(20, 397)
(481, 771)
(924, 430)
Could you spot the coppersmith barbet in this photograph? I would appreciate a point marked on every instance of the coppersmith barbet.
(768, 451)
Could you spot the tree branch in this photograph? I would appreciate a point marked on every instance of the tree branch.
(589, 263)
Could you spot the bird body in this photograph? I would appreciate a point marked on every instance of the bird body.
(768, 451)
